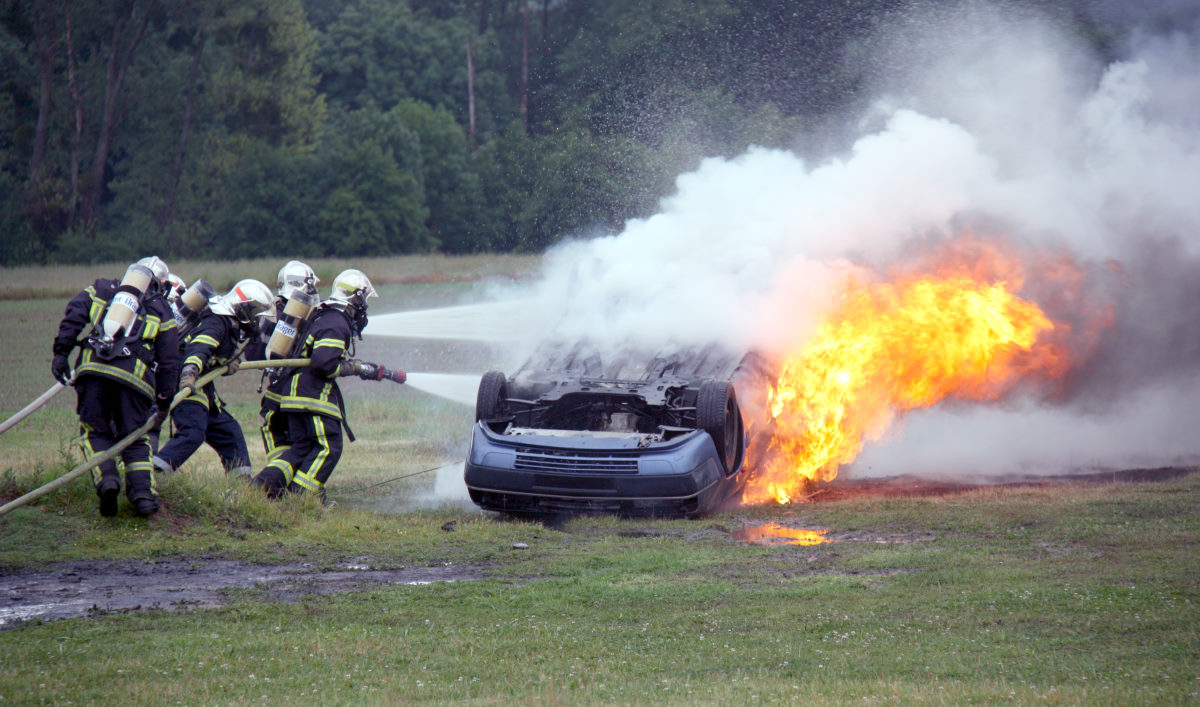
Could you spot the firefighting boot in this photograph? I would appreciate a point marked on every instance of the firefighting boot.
(139, 487)
(146, 507)
(109, 489)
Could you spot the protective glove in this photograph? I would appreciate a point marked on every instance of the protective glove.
(233, 368)
(188, 376)
(61, 369)
(163, 410)
(368, 371)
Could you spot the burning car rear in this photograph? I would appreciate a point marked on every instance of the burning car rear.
(573, 431)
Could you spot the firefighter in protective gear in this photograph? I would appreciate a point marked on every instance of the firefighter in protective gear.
(229, 320)
(294, 276)
(312, 403)
(118, 393)
(175, 287)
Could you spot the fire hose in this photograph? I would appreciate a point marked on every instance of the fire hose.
(40, 400)
(25, 411)
(140, 432)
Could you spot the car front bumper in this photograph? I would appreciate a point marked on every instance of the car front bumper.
(581, 472)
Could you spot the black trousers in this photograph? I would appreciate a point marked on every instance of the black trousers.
(195, 425)
(275, 435)
(308, 463)
(109, 412)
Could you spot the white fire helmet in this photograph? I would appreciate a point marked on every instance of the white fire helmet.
(175, 287)
(247, 299)
(293, 276)
(159, 268)
(353, 288)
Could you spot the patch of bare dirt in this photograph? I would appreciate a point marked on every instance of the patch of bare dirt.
(72, 589)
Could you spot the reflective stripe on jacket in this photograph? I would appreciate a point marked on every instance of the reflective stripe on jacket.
(314, 388)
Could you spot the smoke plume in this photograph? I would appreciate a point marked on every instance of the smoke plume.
(982, 118)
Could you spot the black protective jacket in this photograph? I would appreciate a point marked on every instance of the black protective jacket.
(257, 351)
(147, 360)
(314, 388)
(211, 344)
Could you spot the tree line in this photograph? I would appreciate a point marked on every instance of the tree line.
(307, 128)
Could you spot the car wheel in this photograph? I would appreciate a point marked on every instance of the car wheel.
(492, 399)
(717, 414)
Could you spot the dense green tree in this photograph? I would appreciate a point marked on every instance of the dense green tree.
(267, 208)
(451, 185)
(508, 164)
(235, 128)
(382, 203)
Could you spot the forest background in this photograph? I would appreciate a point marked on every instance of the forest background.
(226, 129)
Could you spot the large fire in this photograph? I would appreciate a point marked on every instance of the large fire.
(953, 327)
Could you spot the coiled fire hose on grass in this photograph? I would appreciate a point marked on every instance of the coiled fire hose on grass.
(140, 432)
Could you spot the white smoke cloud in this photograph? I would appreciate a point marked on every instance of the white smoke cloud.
(977, 110)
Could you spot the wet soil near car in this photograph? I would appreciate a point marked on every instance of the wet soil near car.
(71, 589)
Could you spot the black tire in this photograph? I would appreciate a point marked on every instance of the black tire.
(717, 414)
(492, 399)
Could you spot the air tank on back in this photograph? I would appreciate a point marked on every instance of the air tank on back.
(290, 328)
(191, 303)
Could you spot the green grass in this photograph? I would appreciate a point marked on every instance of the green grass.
(1075, 594)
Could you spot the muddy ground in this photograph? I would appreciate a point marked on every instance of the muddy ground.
(74, 589)
(71, 589)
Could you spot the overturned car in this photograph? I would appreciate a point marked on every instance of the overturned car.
(574, 431)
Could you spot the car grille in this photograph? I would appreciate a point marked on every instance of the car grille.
(575, 462)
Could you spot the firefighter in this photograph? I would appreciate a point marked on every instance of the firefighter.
(311, 404)
(294, 277)
(227, 322)
(175, 287)
(126, 370)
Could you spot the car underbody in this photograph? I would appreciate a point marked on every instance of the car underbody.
(575, 431)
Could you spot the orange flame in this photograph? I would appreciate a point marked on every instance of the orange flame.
(895, 346)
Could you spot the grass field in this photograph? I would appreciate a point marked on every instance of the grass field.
(1079, 593)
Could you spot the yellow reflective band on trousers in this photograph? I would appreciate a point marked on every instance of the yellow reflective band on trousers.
(284, 467)
(89, 451)
(85, 443)
(307, 476)
(270, 443)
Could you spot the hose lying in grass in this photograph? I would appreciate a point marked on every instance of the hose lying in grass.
(28, 409)
(140, 432)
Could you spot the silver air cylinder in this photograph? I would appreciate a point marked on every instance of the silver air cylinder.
(193, 300)
(123, 309)
(287, 330)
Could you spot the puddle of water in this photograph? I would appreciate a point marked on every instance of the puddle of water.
(776, 534)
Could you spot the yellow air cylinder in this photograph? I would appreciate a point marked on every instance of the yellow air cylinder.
(287, 330)
(123, 309)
